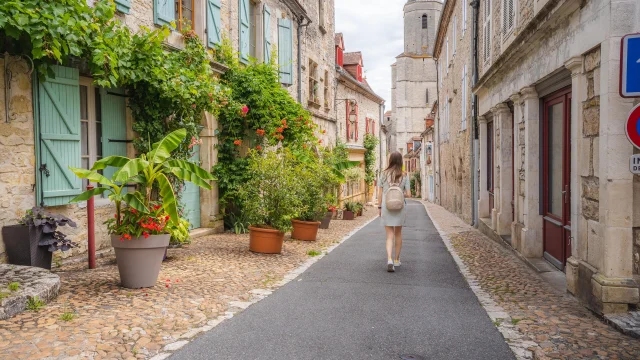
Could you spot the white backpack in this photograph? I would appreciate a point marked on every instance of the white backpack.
(394, 199)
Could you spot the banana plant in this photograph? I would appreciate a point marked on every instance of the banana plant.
(148, 170)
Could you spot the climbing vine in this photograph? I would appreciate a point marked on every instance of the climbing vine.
(370, 143)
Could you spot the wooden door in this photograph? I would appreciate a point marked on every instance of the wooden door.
(556, 162)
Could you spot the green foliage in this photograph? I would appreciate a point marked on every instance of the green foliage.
(67, 316)
(14, 286)
(35, 304)
(370, 143)
(149, 170)
(4, 295)
(314, 253)
(317, 182)
(415, 183)
(270, 196)
(238, 223)
(179, 233)
(258, 114)
(351, 206)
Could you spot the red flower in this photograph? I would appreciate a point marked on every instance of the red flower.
(237, 142)
(280, 137)
(245, 109)
(134, 211)
(168, 286)
(259, 148)
(156, 207)
(210, 95)
(115, 216)
(146, 234)
(279, 130)
(284, 121)
(323, 131)
(260, 132)
(320, 141)
(167, 218)
(304, 146)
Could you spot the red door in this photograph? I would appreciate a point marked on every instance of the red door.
(556, 194)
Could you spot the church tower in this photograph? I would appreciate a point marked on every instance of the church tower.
(420, 25)
(414, 76)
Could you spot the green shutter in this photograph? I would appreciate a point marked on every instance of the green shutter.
(58, 137)
(245, 25)
(164, 12)
(123, 6)
(191, 196)
(285, 51)
(113, 116)
(213, 23)
(267, 33)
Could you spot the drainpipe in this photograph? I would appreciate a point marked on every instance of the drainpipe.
(300, 26)
(475, 143)
(436, 137)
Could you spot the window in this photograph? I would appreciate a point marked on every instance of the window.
(455, 33)
(486, 32)
(425, 22)
(321, 16)
(327, 97)
(184, 14)
(313, 83)
(447, 64)
(246, 39)
(508, 17)
(464, 17)
(339, 56)
(464, 98)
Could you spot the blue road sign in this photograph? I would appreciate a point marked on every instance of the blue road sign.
(630, 67)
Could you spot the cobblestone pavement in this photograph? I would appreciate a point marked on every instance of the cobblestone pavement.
(197, 285)
(553, 325)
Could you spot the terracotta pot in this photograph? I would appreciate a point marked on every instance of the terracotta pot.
(360, 212)
(305, 230)
(139, 260)
(22, 247)
(265, 241)
(348, 215)
(324, 224)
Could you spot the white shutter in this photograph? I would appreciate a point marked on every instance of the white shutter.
(486, 32)
(508, 17)
(464, 17)
(464, 97)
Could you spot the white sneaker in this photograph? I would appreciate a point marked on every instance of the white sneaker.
(390, 267)
(397, 263)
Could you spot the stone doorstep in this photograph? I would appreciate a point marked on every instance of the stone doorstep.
(627, 323)
(33, 282)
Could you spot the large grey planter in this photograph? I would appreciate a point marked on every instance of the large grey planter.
(139, 260)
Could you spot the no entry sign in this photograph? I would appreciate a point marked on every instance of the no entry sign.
(633, 126)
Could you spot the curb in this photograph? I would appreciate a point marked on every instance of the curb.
(497, 314)
(236, 307)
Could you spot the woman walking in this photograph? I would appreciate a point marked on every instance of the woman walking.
(394, 186)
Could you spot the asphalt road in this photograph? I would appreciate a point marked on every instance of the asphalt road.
(347, 306)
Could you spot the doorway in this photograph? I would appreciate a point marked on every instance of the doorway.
(490, 157)
(556, 187)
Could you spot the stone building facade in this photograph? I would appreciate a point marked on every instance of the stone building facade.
(554, 157)
(22, 180)
(414, 75)
(454, 127)
(359, 111)
(428, 156)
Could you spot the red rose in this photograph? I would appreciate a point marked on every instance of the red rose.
(279, 130)
(245, 109)
(237, 142)
(259, 148)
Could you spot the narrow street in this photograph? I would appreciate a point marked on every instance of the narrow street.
(347, 306)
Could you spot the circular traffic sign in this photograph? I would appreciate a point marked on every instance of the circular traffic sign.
(633, 126)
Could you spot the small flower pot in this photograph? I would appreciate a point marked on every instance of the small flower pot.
(139, 260)
(265, 241)
(21, 246)
(324, 224)
(305, 230)
(360, 212)
(348, 215)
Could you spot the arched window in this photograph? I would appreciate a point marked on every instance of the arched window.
(424, 21)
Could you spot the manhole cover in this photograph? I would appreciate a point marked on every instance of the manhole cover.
(411, 357)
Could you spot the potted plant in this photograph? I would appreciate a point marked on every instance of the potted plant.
(33, 241)
(313, 176)
(358, 209)
(140, 229)
(270, 199)
(326, 220)
(349, 212)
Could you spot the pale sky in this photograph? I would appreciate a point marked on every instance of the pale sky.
(375, 27)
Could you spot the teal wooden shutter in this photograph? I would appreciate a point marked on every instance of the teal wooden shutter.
(285, 51)
(164, 12)
(213, 23)
(123, 6)
(267, 33)
(245, 25)
(113, 116)
(191, 196)
(58, 137)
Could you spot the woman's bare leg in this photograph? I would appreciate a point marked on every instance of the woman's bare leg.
(390, 233)
(398, 235)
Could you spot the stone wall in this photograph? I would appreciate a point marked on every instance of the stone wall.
(367, 108)
(454, 151)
